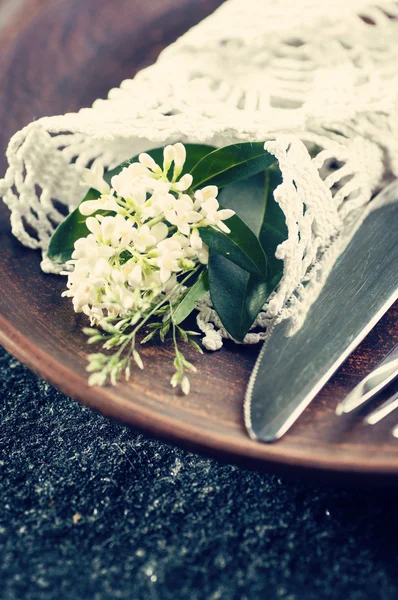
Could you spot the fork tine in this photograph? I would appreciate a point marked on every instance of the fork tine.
(371, 385)
(385, 409)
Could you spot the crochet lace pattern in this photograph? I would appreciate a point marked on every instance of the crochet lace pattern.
(317, 80)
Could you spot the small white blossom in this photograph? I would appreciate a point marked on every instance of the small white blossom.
(215, 217)
(94, 178)
(102, 268)
(84, 292)
(183, 184)
(135, 277)
(143, 238)
(130, 182)
(112, 231)
(170, 283)
(183, 215)
(95, 313)
(203, 255)
(187, 249)
(185, 386)
(180, 155)
(210, 192)
(104, 202)
(160, 231)
(119, 298)
(171, 154)
(88, 248)
(149, 163)
(152, 281)
(195, 240)
(158, 204)
(117, 276)
(167, 261)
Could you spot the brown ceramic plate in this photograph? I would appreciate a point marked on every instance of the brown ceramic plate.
(59, 55)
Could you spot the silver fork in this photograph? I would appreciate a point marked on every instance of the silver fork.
(383, 411)
(370, 386)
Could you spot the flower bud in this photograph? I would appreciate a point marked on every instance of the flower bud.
(149, 163)
(180, 155)
(186, 264)
(185, 386)
(168, 157)
(160, 231)
(184, 183)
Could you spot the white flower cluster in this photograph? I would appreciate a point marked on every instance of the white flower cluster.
(134, 255)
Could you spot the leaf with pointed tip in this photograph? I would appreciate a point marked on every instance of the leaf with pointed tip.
(240, 246)
(71, 229)
(231, 164)
(238, 296)
(273, 229)
(192, 297)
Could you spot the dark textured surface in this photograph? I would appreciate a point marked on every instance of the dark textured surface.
(91, 510)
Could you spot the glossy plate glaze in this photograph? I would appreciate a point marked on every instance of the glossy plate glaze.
(57, 56)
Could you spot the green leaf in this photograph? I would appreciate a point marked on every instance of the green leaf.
(231, 163)
(74, 226)
(253, 201)
(71, 229)
(192, 297)
(240, 246)
(195, 153)
(247, 199)
(237, 296)
(274, 230)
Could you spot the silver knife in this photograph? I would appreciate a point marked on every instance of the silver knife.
(362, 285)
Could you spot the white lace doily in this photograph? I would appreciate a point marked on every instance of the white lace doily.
(319, 80)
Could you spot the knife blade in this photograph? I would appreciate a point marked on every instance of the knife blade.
(360, 288)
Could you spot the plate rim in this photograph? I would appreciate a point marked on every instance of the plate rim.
(249, 453)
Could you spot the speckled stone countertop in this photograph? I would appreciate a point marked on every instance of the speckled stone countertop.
(92, 510)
